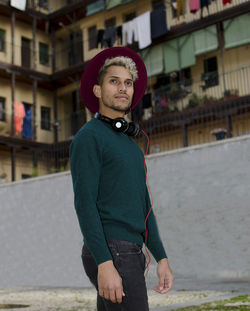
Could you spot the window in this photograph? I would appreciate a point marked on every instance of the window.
(210, 75)
(45, 118)
(2, 109)
(43, 4)
(2, 40)
(110, 22)
(75, 53)
(92, 37)
(43, 53)
(129, 17)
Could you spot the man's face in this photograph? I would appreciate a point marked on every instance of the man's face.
(117, 89)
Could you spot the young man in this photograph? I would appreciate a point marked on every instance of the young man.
(111, 195)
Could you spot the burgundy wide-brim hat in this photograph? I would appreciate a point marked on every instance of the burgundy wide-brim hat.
(89, 76)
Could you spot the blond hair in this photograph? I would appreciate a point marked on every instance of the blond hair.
(123, 61)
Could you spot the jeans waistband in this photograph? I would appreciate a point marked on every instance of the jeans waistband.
(122, 245)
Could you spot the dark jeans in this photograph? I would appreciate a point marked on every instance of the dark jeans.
(129, 261)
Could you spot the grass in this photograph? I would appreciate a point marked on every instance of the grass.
(241, 303)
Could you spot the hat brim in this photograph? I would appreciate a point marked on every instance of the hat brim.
(89, 76)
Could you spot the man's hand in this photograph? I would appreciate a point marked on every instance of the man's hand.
(166, 279)
(109, 282)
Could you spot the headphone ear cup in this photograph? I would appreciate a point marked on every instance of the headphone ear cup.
(133, 129)
(120, 125)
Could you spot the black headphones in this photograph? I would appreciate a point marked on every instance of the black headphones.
(120, 125)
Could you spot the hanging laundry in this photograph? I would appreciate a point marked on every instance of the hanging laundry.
(99, 38)
(158, 21)
(129, 32)
(226, 1)
(109, 36)
(18, 4)
(180, 8)
(147, 101)
(119, 33)
(144, 30)
(174, 4)
(194, 6)
(204, 3)
(19, 114)
(27, 123)
(138, 112)
(164, 102)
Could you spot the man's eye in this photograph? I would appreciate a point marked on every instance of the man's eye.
(113, 80)
(129, 83)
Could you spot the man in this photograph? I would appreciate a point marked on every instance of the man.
(111, 195)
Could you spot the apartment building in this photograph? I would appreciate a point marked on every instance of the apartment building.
(197, 55)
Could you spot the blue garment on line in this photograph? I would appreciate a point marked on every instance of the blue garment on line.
(27, 124)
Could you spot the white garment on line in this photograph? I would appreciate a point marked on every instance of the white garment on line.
(18, 4)
(144, 30)
(129, 32)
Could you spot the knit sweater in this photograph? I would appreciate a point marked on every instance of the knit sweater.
(110, 192)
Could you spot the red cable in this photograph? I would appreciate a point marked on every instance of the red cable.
(151, 198)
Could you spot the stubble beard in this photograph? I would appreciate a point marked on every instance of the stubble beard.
(116, 107)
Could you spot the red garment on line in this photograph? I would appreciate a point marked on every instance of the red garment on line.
(226, 1)
(19, 114)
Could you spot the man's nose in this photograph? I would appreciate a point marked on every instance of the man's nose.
(122, 87)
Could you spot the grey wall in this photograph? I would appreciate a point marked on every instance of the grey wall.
(201, 201)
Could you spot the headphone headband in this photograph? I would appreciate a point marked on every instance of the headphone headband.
(120, 125)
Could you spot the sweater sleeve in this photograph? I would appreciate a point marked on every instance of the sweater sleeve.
(153, 242)
(85, 165)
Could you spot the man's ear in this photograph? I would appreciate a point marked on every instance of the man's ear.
(97, 90)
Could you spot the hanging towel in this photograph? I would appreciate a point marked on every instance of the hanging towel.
(19, 113)
(194, 6)
(27, 123)
(180, 8)
(158, 21)
(18, 4)
(144, 30)
(129, 32)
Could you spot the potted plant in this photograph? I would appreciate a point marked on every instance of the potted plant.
(2, 127)
(219, 133)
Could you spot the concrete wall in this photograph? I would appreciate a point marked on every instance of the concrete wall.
(201, 201)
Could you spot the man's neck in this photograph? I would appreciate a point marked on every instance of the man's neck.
(112, 114)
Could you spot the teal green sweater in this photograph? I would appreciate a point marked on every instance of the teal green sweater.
(110, 192)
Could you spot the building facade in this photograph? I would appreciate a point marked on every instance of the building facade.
(197, 54)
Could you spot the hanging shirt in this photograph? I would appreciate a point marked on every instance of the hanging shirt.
(27, 124)
(19, 114)
(194, 6)
(158, 21)
(144, 30)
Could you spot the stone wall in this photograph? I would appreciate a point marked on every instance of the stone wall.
(201, 201)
